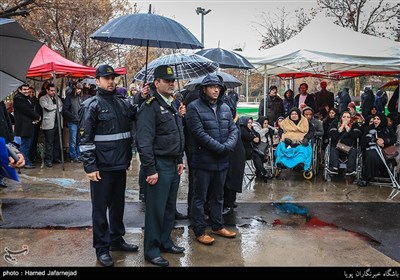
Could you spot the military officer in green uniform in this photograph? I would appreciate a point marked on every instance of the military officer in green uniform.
(160, 143)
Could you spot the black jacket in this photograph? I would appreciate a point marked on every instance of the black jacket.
(159, 133)
(105, 121)
(214, 133)
(24, 113)
(347, 138)
(310, 102)
(274, 108)
(70, 110)
(6, 130)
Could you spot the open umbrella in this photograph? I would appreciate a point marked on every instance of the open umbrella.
(148, 30)
(187, 66)
(229, 81)
(391, 86)
(17, 50)
(226, 59)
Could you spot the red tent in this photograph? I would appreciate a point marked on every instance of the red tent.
(47, 62)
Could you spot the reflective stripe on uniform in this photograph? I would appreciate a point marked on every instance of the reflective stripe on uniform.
(89, 147)
(112, 137)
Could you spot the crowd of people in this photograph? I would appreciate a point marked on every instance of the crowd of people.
(107, 125)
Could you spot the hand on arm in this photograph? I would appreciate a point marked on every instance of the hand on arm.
(145, 91)
(94, 176)
(180, 169)
(152, 179)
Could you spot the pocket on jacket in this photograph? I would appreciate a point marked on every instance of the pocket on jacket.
(106, 153)
(105, 116)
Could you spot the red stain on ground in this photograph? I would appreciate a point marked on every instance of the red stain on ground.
(315, 222)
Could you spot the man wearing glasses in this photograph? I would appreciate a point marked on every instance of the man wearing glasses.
(160, 143)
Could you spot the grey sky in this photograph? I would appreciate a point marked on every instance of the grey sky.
(230, 22)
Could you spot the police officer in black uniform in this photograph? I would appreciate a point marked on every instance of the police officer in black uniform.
(106, 153)
(160, 144)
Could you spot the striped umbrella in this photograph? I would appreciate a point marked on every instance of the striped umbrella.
(187, 66)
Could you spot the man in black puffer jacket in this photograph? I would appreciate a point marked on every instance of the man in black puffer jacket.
(214, 135)
(106, 152)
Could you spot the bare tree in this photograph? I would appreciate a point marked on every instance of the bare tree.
(282, 26)
(15, 8)
(66, 26)
(275, 29)
(369, 17)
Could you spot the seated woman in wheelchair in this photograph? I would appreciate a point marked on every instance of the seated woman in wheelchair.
(346, 132)
(266, 132)
(251, 139)
(295, 149)
(376, 136)
(308, 113)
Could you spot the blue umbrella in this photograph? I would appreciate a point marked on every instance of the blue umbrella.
(229, 81)
(226, 59)
(148, 30)
(188, 66)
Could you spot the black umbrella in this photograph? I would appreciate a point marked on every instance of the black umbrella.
(148, 30)
(17, 50)
(226, 59)
(188, 66)
(229, 81)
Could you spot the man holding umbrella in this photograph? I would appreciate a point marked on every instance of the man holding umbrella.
(106, 152)
(160, 147)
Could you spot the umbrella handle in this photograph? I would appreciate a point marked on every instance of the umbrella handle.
(147, 59)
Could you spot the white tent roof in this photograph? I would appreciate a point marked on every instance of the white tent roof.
(323, 48)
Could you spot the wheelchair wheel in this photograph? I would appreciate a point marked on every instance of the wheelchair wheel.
(307, 175)
(277, 172)
(327, 176)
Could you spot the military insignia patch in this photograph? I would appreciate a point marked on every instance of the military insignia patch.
(148, 102)
(169, 71)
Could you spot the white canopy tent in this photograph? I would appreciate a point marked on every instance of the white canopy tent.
(324, 49)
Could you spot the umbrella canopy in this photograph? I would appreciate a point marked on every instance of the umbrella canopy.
(226, 59)
(187, 66)
(391, 86)
(17, 50)
(229, 81)
(148, 30)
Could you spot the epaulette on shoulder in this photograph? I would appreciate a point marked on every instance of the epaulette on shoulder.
(151, 99)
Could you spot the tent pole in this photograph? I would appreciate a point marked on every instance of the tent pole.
(265, 90)
(59, 122)
(247, 84)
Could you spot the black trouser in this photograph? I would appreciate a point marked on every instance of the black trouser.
(208, 185)
(258, 164)
(33, 151)
(160, 208)
(108, 193)
(53, 149)
(229, 197)
(351, 159)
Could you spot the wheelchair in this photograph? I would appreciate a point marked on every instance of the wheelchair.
(300, 159)
(316, 154)
(392, 178)
(343, 159)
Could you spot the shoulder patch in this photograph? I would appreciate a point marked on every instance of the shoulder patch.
(151, 99)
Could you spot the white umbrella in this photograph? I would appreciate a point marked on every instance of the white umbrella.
(187, 66)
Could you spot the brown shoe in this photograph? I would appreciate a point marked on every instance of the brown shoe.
(225, 233)
(205, 239)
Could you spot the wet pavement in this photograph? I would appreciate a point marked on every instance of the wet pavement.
(285, 222)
